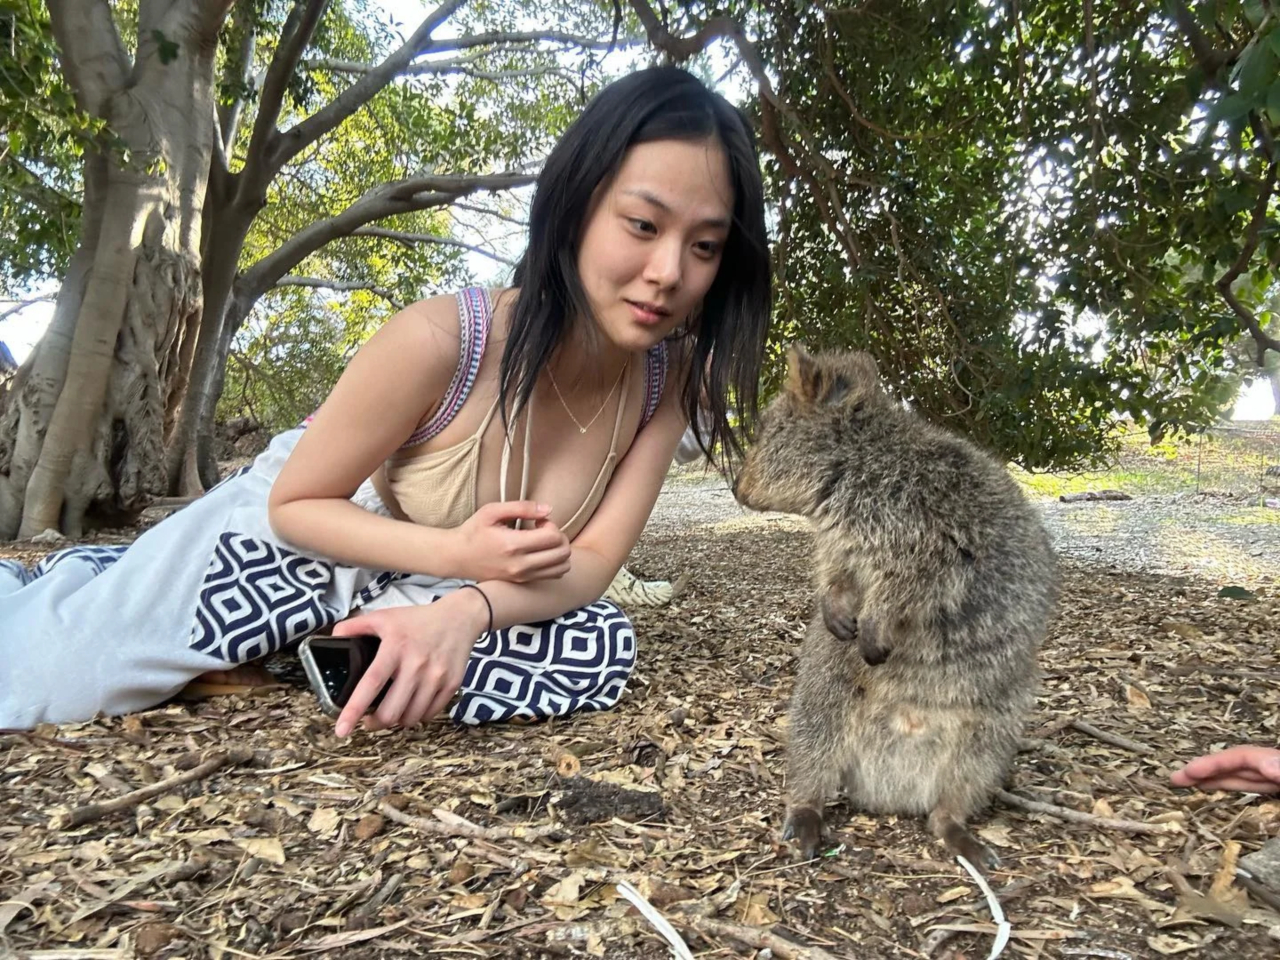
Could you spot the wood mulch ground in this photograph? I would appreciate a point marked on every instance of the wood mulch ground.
(511, 841)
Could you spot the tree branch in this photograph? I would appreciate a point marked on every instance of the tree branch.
(290, 143)
(93, 57)
(412, 238)
(1210, 59)
(1264, 340)
(444, 67)
(531, 36)
(452, 64)
(334, 65)
(296, 34)
(472, 208)
(406, 196)
(41, 184)
(316, 282)
(21, 305)
(238, 69)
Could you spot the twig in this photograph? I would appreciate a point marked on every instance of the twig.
(79, 816)
(1114, 739)
(518, 867)
(450, 824)
(1052, 728)
(1077, 816)
(756, 937)
(375, 903)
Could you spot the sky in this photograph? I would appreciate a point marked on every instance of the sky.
(22, 330)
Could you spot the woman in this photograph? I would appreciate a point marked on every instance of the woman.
(481, 470)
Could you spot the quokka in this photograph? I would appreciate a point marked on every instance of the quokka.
(935, 581)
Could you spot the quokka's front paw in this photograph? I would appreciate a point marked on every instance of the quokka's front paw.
(839, 621)
(805, 829)
(873, 651)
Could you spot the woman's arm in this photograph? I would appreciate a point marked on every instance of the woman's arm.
(425, 648)
(400, 374)
(602, 546)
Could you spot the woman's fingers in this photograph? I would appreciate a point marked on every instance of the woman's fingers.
(545, 564)
(1239, 782)
(375, 678)
(505, 511)
(442, 696)
(418, 707)
(398, 698)
(546, 537)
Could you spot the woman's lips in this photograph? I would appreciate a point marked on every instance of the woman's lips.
(648, 314)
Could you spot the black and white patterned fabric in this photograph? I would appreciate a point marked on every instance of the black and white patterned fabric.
(93, 559)
(257, 598)
(97, 558)
(580, 661)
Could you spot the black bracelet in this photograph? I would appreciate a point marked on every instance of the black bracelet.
(473, 586)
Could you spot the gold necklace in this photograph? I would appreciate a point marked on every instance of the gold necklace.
(581, 429)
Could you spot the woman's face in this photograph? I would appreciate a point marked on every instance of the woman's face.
(653, 240)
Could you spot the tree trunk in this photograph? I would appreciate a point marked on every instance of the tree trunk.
(35, 389)
(191, 465)
(233, 320)
(85, 428)
(1273, 377)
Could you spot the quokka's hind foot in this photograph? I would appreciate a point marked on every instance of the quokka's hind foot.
(805, 829)
(952, 831)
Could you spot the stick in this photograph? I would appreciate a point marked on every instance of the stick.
(376, 902)
(1114, 739)
(452, 825)
(1077, 816)
(1055, 726)
(79, 816)
(468, 829)
(755, 937)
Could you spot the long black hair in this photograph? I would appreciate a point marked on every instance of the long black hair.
(728, 341)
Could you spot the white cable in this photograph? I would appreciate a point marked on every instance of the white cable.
(1003, 927)
(659, 922)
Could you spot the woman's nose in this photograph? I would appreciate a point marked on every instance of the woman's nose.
(665, 265)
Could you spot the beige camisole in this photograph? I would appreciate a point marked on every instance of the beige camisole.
(439, 488)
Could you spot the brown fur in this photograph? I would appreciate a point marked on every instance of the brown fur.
(935, 582)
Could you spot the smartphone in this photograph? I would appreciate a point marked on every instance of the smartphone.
(334, 665)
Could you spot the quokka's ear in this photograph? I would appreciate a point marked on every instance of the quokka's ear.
(813, 379)
(802, 370)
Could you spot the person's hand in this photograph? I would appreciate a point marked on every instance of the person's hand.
(485, 547)
(422, 650)
(1255, 769)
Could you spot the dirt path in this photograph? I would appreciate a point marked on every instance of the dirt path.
(1217, 537)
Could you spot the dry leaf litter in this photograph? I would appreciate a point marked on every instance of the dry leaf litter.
(241, 827)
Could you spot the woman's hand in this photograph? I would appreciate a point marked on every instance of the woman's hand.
(423, 651)
(485, 547)
(1254, 769)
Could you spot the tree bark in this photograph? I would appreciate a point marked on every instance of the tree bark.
(85, 425)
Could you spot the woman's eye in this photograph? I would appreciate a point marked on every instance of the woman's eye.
(644, 226)
(708, 248)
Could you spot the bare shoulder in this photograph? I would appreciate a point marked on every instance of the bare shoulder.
(427, 325)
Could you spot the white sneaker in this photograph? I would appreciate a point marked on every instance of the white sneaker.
(629, 591)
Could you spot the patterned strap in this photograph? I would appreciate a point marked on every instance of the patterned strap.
(655, 378)
(473, 328)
